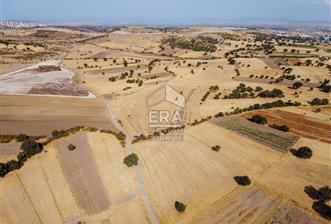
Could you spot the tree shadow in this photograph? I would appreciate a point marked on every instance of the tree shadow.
(294, 152)
(323, 209)
(312, 192)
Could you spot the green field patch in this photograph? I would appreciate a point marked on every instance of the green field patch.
(260, 133)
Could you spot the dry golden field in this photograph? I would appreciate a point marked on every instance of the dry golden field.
(110, 79)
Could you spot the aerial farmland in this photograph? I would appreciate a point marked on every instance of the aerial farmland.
(243, 132)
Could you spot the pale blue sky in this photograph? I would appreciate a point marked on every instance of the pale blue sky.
(172, 11)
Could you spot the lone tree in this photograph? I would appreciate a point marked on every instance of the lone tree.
(258, 119)
(242, 180)
(131, 160)
(125, 63)
(71, 147)
(216, 148)
(303, 152)
(296, 85)
(179, 206)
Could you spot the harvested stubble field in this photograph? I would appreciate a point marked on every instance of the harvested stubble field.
(91, 184)
(40, 115)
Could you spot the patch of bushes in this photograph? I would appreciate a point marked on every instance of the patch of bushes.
(271, 94)
(29, 148)
(283, 128)
(325, 87)
(241, 91)
(151, 64)
(199, 43)
(131, 160)
(179, 206)
(8, 167)
(59, 134)
(303, 152)
(297, 85)
(321, 197)
(258, 119)
(205, 96)
(219, 114)
(216, 148)
(71, 147)
(22, 137)
(242, 180)
(317, 101)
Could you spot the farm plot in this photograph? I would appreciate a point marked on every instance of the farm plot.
(253, 205)
(298, 124)
(40, 115)
(168, 167)
(289, 213)
(277, 139)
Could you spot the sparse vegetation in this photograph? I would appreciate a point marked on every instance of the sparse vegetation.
(71, 147)
(242, 180)
(317, 101)
(303, 152)
(283, 128)
(179, 206)
(297, 85)
(216, 148)
(258, 119)
(200, 43)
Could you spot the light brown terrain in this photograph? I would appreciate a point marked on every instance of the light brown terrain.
(104, 79)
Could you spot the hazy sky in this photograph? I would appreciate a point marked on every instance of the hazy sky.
(173, 11)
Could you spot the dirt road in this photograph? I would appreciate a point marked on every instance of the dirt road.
(128, 150)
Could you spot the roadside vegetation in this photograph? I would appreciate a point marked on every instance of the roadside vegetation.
(131, 160)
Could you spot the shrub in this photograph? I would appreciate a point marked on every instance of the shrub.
(219, 114)
(59, 134)
(3, 169)
(216, 148)
(31, 147)
(9, 166)
(71, 147)
(303, 152)
(13, 165)
(242, 180)
(326, 88)
(323, 209)
(324, 194)
(22, 137)
(179, 206)
(317, 101)
(258, 119)
(131, 160)
(280, 127)
(296, 85)
(271, 94)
